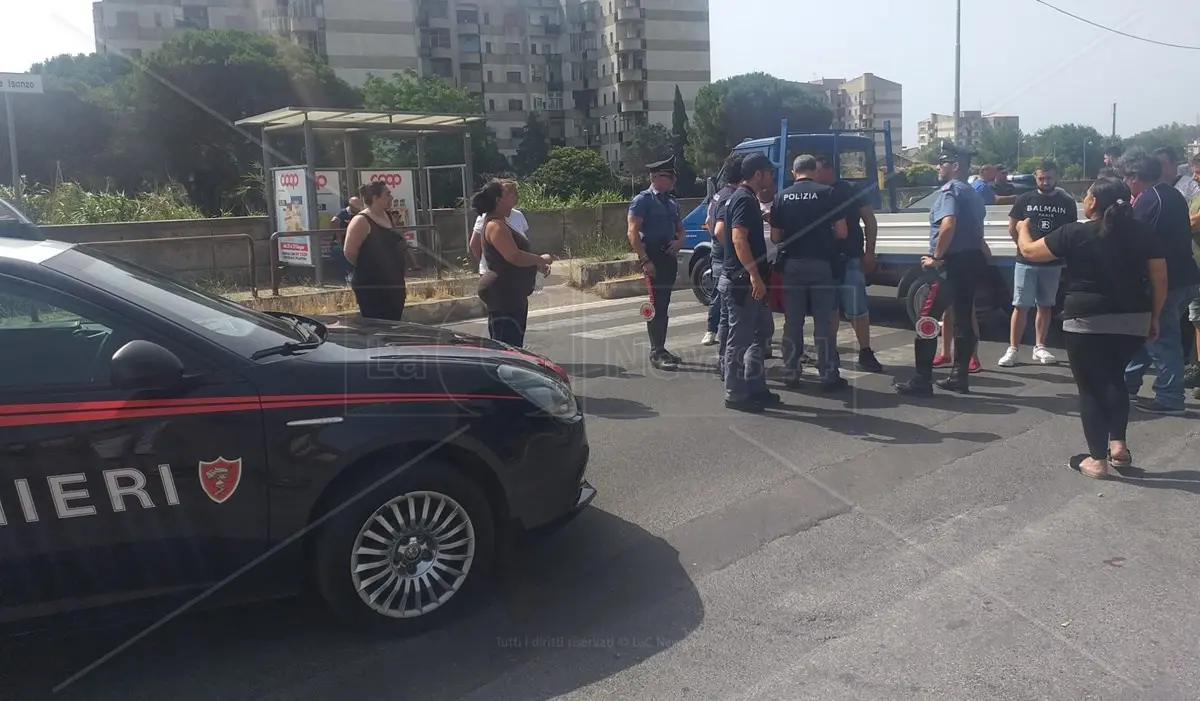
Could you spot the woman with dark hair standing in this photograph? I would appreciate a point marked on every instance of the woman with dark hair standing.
(378, 255)
(511, 268)
(1116, 285)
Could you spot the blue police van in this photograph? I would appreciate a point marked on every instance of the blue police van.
(854, 154)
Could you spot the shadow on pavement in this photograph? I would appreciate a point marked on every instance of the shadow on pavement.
(593, 370)
(567, 610)
(875, 429)
(615, 408)
(1179, 480)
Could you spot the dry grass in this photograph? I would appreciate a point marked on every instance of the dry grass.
(336, 301)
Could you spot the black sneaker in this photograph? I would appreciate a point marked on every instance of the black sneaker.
(867, 362)
(916, 387)
(1153, 407)
(749, 406)
(954, 384)
(835, 385)
(768, 398)
(662, 361)
(792, 379)
(671, 357)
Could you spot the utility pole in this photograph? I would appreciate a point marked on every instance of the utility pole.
(958, 73)
(1114, 124)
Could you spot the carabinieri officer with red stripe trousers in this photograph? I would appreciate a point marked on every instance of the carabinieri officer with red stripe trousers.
(958, 254)
(656, 235)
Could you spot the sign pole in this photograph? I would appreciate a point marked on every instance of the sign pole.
(12, 145)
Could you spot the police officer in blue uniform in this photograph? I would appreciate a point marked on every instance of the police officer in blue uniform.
(720, 242)
(957, 256)
(656, 235)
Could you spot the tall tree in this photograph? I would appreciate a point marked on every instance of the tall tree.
(534, 148)
(197, 85)
(1175, 135)
(408, 91)
(648, 143)
(750, 106)
(1000, 145)
(1067, 144)
(685, 183)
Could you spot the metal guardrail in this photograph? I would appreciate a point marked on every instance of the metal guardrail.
(429, 250)
(251, 259)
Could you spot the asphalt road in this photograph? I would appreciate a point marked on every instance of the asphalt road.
(846, 546)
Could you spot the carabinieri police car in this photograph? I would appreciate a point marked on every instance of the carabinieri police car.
(158, 444)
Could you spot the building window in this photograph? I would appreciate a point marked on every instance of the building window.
(487, 18)
(437, 8)
(516, 106)
(539, 104)
(492, 105)
(439, 38)
(512, 47)
(533, 49)
(489, 47)
(490, 77)
(468, 16)
(514, 76)
(127, 19)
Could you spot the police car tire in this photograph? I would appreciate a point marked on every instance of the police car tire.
(335, 540)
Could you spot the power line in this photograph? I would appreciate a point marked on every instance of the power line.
(1116, 31)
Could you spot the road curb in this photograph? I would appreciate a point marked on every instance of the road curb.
(620, 288)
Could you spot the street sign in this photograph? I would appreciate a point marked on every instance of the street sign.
(21, 83)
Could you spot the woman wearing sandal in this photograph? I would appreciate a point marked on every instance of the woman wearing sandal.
(1116, 286)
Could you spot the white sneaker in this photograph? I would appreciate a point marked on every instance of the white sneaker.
(1043, 356)
(710, 339)
(1010, 358)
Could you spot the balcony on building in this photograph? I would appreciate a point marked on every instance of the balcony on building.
(467, 19)
(632, 103)
(630, 14)
(631, 44)
(631, 75)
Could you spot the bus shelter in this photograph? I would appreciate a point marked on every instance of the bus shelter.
(303, 197)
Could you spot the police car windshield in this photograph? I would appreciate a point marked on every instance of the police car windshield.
(219, 320)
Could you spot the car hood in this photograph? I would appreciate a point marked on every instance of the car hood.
(355, 338)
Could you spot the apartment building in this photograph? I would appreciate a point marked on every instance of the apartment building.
(593, 69)
(1001, 121)
(135, 27)
(940, 127)
(865, 103)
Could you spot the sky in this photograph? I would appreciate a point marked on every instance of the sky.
(1018, 56)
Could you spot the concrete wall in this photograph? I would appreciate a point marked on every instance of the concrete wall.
(226, 260)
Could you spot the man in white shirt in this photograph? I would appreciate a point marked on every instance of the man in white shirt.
(516, 220)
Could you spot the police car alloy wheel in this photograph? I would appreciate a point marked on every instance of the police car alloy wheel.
(403, 558)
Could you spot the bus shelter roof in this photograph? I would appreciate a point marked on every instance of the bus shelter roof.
(327, 119)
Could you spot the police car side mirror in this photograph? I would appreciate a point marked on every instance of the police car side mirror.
(142, 365)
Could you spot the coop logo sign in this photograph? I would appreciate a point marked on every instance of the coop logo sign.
(289, 180)
(389, 179)
(21, 83)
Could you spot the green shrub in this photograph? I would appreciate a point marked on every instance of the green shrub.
(68, 203)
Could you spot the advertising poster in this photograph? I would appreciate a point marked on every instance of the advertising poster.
(404, 202)
(291, 214)
(329, 203)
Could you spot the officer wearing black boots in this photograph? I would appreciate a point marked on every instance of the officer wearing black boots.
(958, 262)
(656, 235)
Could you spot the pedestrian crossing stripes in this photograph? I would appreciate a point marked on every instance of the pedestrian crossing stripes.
(639, 327)
(589, 320)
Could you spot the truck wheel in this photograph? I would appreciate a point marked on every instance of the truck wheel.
(406, 556)
(918, 292)
(703, 283)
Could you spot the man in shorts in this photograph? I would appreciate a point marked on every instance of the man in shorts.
(855, 260)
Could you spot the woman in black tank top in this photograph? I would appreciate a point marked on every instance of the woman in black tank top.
(378, 255)
(512, 268)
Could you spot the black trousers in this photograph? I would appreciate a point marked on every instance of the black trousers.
(380, 301)
(660, 286)
(509, 326)
(954, 288)
(1098, 364)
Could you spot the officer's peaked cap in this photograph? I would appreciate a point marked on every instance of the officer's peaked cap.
(666, 166)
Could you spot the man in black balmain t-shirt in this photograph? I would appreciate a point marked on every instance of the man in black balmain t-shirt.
(1036, 284)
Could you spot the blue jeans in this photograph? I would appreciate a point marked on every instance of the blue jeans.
(808, 281)
(714, 308)
(1166, 352)
(743, 366)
